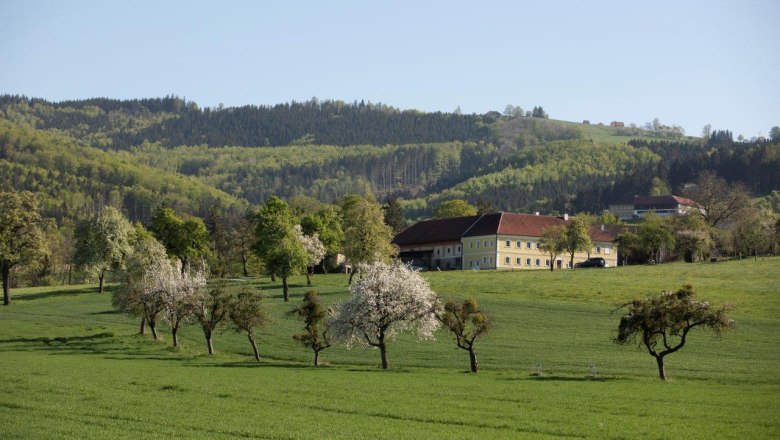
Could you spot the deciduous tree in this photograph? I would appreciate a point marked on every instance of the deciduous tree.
(183, 239)
(662, 323)
(366, 237)
(553, 242)
(387, 299)
(467, 323)
(316, 325)
(274, 222)
(719, 199)
(314, 248)
(212, 308)
(576, 238)
(182, 297)
(454, 208)
(248, 313)
(21, 235)
(287, 258)
(103, 242)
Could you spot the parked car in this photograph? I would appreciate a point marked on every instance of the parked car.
(592, 262)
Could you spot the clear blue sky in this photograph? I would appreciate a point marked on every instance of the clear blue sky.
(685, 62)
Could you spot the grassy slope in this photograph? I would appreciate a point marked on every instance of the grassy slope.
(73, 368)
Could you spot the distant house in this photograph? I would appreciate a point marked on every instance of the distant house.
(638, 206)
(586, 122)
(501, 240)
(617, 124)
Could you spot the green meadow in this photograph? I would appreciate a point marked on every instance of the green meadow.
(74, 368)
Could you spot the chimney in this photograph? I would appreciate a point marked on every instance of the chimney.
(566, 217)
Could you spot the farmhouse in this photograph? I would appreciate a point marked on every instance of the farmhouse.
(502, 240)
(638, 206)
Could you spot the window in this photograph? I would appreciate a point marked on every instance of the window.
(527, 261)
(484, 260)
(449, 250)
(537, 262)
(484, 243)
(438, 251)
(606, 250)
(471, 245)
(546, 263)
(477, 244)
(458, 248)
(477, 263)
(519, 244)
(508, 244)
(528, 245)
(506, 260)
(491, 243)
(598, 249)
(471, 264)
(491, 260)
(518, 261)
(538, 245)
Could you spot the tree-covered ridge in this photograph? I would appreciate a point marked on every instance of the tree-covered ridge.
(72, 179)
(324, 172)
(563, 176)
(755, 163)
(172, 121)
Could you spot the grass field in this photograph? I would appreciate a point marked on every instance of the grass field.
(73, 368)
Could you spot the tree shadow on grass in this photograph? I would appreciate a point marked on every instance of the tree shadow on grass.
(558, 378)
(55, 293)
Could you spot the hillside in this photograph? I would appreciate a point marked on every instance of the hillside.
(72, 179)
(185, 156)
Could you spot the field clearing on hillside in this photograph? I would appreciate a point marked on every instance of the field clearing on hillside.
(73, 368)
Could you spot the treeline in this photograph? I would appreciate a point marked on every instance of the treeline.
(172, 121)
(754, 163)
(72, 179)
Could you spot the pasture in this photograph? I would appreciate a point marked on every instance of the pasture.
(74, 368)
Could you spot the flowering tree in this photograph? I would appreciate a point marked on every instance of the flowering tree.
(315, 317)
(21, 235)
(314, 248)
(130, 297)
(387, 299)
(182, 296)
(467, 322)
(662, 323)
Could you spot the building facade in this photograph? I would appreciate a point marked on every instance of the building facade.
(495, 241)
(637, 207)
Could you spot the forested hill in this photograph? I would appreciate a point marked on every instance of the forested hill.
(172, 121)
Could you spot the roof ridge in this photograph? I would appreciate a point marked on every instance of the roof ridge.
(500, 219)
(472, 225)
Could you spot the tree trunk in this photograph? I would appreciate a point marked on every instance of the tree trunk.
(571, 261)
(473, 360)
(316, 358)
(6, 270)
(174, 331)
(273, 277)
(153, 328)
(383, 353)
(661, 371)
(285, 289)
(254, 346)
(351, 274)
(209, 342)
(243, 263)
(552, 265)
(100, 278)
(308, 277)
(183, 267)
(142, 330)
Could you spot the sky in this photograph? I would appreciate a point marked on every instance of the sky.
(689, 63)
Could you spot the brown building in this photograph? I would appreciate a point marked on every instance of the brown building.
(637, 207)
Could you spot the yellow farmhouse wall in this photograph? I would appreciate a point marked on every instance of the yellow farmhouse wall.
(522, 252)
